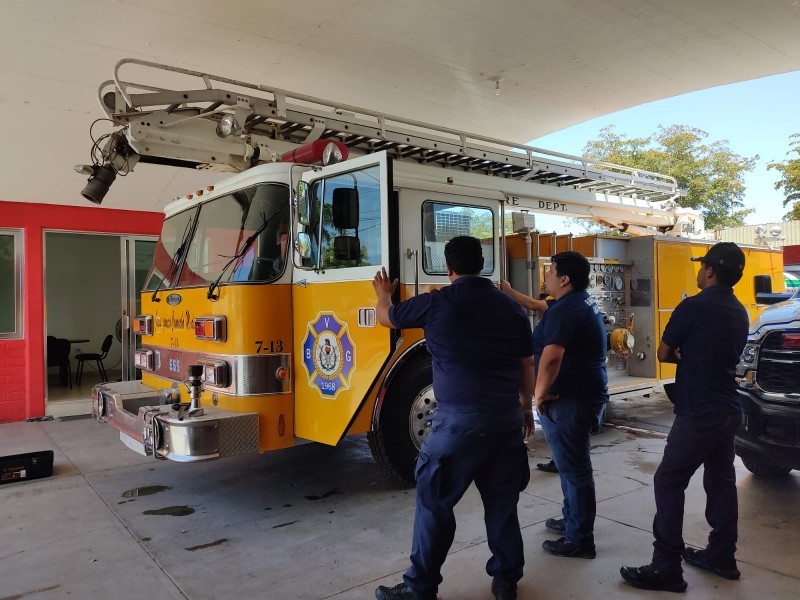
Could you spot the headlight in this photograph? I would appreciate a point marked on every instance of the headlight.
(747, 362)
(144, 360)
(215, 372)
(750, 354)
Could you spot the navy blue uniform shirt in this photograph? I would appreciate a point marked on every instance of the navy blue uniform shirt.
(476, 335)
(574, 323)
(711, 330)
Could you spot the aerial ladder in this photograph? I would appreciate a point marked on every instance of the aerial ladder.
(241, 125)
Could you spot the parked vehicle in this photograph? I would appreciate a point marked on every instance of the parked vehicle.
(769, 388)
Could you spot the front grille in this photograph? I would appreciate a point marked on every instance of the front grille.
(778, 369)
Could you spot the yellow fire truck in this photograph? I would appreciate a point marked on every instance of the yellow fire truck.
(257, 322)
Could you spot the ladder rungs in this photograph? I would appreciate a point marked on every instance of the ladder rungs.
(369, 131)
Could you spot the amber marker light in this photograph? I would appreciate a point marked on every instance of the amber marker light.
(143, 325)
(211, 327)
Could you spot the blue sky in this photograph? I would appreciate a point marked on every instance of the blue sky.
(756, 117)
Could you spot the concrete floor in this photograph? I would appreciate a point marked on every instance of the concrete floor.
(316, 522)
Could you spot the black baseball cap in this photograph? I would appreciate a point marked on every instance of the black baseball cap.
(725, 255)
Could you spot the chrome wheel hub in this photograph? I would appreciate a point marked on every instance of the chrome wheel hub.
(419, 418)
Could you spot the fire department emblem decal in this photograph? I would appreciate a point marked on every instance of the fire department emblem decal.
(328, 354)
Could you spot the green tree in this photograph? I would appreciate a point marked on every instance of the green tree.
(482, 222)
(589, 227)
(711, 174)
(790, 178)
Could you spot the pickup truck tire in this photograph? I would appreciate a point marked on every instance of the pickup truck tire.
(760, 468)
(404, 420)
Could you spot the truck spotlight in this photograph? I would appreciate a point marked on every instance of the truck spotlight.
(332, 154)
(100, 179)
(228, 125)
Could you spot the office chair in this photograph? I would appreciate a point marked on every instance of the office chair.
(97, 358)
(58, 356)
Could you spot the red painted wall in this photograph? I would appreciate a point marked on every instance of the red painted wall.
(791, 255)
(22, 370)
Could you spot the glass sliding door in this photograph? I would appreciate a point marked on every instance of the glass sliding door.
(137, 257)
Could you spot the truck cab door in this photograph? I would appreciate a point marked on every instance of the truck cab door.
(341, 241)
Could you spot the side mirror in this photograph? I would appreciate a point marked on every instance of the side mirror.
(762, 284)
(302, 203)
(346, 247)
(302, 244)
(345, 208)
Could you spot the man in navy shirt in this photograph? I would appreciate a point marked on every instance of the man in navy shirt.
(481, 344)
(571, 390)
(705, 337)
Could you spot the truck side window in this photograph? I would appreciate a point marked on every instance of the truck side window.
(351, 220)
(442, 222)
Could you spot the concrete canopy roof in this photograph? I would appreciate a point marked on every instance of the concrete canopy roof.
(558, 62)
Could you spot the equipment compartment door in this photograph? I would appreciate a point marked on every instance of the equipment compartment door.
(339, 349)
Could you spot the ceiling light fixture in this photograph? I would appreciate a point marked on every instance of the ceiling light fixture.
(498, 79)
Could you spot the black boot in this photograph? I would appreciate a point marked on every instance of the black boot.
(555, 526)
(561, 547)
(548, 467)
(650, 578)
(504, 590)
(400, 592)
(702, 560)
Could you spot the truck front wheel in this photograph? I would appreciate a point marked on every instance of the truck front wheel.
(765, 469)
(405, 419)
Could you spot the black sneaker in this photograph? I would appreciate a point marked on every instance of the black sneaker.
(702, 560)
(650, 578)
(504, 590)
(400, 592)
(561, 547)
(555, 526)
(548, 467)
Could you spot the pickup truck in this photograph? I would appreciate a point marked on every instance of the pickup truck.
(768, 373)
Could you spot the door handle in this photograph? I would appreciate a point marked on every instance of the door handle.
(414, 254)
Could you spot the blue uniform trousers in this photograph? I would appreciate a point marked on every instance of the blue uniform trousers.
(695, 441)
(567, 424)
(455, 454)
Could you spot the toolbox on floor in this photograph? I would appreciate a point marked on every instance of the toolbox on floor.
(31, 465)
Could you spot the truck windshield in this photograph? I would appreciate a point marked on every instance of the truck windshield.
(224, 226)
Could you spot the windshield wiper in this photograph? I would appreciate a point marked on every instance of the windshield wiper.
(173, 266)
(245, 247)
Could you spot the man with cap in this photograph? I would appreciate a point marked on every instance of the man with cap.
(705, 337)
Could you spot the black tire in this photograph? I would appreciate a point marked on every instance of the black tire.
(404, 420)
(760, 468)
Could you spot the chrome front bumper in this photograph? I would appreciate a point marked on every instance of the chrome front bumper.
(151, 428)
